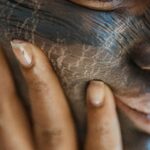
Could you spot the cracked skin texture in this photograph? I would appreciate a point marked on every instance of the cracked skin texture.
(82, 45)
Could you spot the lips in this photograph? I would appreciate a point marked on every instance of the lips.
(141, 120)
(99, 4)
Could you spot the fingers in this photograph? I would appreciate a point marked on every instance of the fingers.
(103, 126)
(14, 130)
(52, 120)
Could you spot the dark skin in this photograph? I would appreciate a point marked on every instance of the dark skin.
(128, 79)
(52, 124)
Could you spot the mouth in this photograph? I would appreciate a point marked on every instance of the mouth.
(141, 120)
(106, 5)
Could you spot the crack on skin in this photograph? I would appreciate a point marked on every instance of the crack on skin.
(30, 23)
(88, 62)
(76, 62)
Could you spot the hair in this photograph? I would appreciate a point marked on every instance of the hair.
(136, 6)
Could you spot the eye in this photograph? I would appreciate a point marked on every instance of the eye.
(106, 5)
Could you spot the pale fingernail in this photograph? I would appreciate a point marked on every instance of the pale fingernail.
(23, 52)
(96, 93)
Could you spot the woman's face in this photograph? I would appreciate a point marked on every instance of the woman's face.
(85, 44)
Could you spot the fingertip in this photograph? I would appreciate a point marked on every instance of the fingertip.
(95, 93)
(47, 101)
(23, 52)
(102, 119)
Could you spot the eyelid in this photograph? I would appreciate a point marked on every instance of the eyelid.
(99, 5)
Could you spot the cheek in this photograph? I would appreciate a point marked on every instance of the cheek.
(82, 62)
(77, 64)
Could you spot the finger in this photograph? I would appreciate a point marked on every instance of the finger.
(52, 119)
(14, 128)
(103, 126)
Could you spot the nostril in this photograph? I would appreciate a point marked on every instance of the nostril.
(140, 54)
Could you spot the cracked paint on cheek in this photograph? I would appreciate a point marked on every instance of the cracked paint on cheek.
(105, 36)
(82, 45)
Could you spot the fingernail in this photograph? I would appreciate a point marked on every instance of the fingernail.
(96, 93)
(23, 52)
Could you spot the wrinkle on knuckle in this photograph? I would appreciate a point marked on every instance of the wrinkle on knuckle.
(102, 129)
(37, 86)
(51, 136)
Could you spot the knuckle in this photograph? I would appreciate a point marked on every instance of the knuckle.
(51, 137)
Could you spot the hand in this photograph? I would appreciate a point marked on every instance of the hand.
(52, 126)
